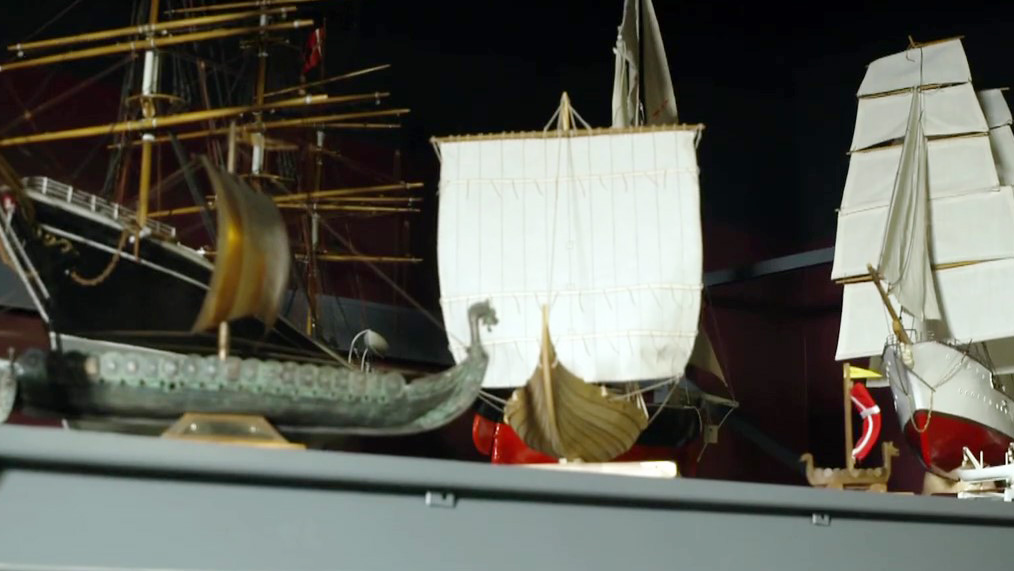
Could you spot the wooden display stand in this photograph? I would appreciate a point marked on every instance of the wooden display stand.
(239, 429)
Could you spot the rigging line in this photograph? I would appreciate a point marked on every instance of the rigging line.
(52, 20)
(720, 342)
(384, 277)
(53, 163)
(720, 424)
(116, 161)
(86, 160)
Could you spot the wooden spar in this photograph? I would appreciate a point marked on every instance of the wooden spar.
(361, 258)
(152, 43)
(317, 121)
(292, 206)
(233, 5)
(145, 30)
(351, 74)
(360, 126)
(325, 257)
(181, 119)
(352, 191)
(935, 267)
(290, 200)
(370, 199)
(346, 208)
(899, 331)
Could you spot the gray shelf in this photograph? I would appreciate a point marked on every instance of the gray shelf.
(83, 500)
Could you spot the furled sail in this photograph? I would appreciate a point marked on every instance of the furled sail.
(642, 67)
(905, 256)
(602, 225)
(626, 80)
(659, 96)
(970, 211)
(252, 257)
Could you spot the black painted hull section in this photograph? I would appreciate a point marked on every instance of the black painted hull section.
(148, 303)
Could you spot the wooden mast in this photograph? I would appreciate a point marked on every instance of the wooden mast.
(313, 218)
(149, 86)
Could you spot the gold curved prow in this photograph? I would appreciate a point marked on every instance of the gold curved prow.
(559, 414)
(252, 255)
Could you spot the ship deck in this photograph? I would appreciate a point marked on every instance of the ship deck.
(74, 500)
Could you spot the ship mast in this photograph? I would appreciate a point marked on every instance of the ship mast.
(149, 86)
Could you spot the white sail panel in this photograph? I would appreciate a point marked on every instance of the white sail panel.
(956, 165)
(935, 64)
(605, 228)
(974, 300)
(1002, 141)
(994, 107)
(865, 322)
(948, 111)
(965, 228)
(659, 96)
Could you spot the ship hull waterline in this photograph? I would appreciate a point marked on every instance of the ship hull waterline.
(946, 402)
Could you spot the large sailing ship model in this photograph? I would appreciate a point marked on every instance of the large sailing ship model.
(925, 249)
(588, 242)
(143, 326)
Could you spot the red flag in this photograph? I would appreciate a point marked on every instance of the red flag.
(314, 50)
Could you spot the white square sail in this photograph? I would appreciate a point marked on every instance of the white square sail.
(975, 301)
(602, 225)
(947, 111)
(941, 63)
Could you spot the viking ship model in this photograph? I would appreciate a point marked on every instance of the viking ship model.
(925, 248)
(588, 242)
(132, 312)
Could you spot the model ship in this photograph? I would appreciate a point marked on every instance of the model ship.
(925, 248)
(143, 326)
(588, 241)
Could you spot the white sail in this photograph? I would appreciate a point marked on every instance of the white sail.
(659, 96)
(970, 206)
(941, 63)
(905, 257)
(965, 228)
(625, 79)
(1001, 138)
(994, 107)
(974, 299)
(602, 225)
(946, 111)
(957, 165)
(639, 31)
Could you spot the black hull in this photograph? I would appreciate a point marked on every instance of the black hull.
(150, 301)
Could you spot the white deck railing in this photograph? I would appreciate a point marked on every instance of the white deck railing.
(59, 190)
